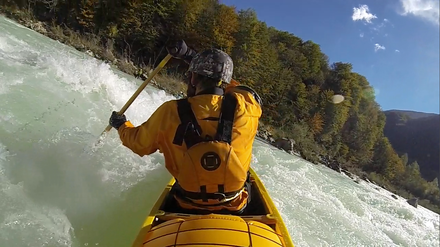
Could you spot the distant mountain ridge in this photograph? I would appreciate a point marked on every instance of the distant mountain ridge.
(412, 114)
(418, 135)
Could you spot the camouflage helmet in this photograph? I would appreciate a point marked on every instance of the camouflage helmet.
(213, 63)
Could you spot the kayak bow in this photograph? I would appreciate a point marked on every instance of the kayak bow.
(263, 226)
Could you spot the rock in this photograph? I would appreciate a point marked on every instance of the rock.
(264, 134)
(365, 177)
(327, 160)
(143, 77)
(334, 165)
(413, 202)
(179, 95)
(285, 144)
(350, 175)
(38, 27)
(90, 53)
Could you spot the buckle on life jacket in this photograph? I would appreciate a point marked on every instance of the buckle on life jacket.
(194, 196)
(221, 197)
(230, 197)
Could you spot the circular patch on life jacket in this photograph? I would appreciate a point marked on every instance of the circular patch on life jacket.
(210, 161)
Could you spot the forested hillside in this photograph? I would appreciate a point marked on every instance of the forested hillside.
(293, 76)
(416, 134)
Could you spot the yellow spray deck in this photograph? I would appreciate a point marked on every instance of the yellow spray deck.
(264, 227)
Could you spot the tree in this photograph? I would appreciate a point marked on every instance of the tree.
(246, 52)
(224, 27)
(87, 14)
(315, 73)
(386, 161)
(404, 159)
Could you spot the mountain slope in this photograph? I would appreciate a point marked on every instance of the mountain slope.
(412, 114)
(418, 135)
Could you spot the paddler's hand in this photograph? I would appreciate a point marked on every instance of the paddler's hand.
(181, 51)
(117, 120)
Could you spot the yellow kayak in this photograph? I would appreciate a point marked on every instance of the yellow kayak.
(264, 227)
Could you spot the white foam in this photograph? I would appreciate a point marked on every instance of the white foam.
(4, 46)
(323, 208)
(25, 223)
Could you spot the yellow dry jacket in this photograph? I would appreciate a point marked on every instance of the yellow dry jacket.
(186, 164)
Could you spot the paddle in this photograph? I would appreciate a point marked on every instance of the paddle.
(178, 51)
(139, 90)
(130, 101)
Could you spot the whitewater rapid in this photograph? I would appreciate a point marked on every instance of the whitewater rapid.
(55, 190)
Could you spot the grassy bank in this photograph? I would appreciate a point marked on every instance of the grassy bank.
(171, 83)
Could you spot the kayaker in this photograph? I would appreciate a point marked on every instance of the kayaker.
(206, 138)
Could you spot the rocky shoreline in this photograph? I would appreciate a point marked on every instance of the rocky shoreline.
(127, 66)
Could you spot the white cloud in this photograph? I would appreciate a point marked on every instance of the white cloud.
(361, 35)
(376, 29)
(362, 13)
(397, 51)
(380, 26)
(424, 9)
(378, 47)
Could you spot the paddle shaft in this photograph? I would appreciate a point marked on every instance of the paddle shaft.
(139, 90)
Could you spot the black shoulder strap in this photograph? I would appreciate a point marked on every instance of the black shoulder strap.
(188, 124)
(189, 130)
(226, 121)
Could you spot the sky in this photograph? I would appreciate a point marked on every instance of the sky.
(393, 43)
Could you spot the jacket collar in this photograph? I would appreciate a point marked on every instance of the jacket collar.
(212, 90)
